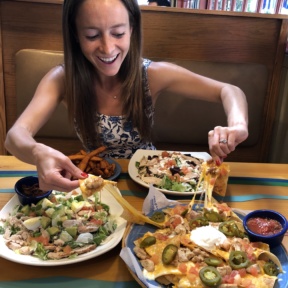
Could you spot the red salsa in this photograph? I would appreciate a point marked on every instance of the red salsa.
(264, 226)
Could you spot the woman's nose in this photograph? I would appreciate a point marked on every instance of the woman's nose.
(107, 45)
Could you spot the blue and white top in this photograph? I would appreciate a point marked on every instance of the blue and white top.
(118, 134)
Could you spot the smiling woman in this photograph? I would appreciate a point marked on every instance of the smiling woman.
(102, 59)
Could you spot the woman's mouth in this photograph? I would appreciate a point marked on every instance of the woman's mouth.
(108, 60)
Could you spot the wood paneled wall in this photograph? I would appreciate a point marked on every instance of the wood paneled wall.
(199, 35)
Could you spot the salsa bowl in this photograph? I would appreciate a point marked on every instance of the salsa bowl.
(28, 190)
(268, 226)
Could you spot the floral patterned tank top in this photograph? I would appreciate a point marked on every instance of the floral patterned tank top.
(118, 134)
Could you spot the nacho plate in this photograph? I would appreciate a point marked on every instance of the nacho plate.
(134, 232)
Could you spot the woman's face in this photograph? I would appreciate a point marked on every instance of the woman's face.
(104, 33)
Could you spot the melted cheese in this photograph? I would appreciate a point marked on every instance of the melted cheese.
(93, 184)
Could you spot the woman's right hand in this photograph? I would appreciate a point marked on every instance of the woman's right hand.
(55, 170)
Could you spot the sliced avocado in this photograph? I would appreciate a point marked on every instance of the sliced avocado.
(63, 218)
(49, 212)
(25, 210)
(45, 222)
(46, 203)
(59, 211)
(79, 198)
(53, 230)
(77, 206)
(65, 236)
(38, 210)
(72, 231)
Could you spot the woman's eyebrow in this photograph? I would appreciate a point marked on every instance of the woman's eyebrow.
(96, 28)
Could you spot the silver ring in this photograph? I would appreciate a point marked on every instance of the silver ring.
(224, 141)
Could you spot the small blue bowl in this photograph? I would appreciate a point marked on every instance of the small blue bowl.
(28, 182)
(272, 240)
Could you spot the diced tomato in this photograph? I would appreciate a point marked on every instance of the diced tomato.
(165, 154)
(222, 207)
(98, 222)
(179, 209)
(228, 279)
(42, 239)
(170, 163)
(182, 267)
(198, 265)
(67, 249)
(185, 170)
(192, 278)
(87, 208)
(155, 258)
(234, 273)
(253, 270)
(160, 236)
(176, 222)
(193, 270)
(242, 272)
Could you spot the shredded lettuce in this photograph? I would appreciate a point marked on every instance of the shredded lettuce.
(40, 252)
(168, 184)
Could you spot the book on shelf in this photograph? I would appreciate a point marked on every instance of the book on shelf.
(192, 4)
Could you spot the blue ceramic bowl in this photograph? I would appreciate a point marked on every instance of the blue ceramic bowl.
(28, 183)
(272, 240)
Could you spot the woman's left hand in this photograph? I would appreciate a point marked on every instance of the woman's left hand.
(223, 140)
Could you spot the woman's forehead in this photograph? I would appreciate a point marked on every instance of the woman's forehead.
(99, 13)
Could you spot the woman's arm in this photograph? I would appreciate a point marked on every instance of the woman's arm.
(54, 168)
(165, 76)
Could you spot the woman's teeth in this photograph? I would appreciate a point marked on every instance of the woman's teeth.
(108, 60)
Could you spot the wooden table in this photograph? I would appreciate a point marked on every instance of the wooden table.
(251, 186)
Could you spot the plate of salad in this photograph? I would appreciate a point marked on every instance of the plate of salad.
(60, 229)
(175, 173)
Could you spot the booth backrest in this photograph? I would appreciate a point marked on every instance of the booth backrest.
(31, 66)
(245, 49)
(180, 123)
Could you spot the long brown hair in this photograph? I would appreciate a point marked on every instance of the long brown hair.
(79, 73)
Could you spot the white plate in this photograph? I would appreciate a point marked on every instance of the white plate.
(133, 171)
(115, 210)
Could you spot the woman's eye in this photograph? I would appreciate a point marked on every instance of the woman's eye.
(119, 35)
(92, 37)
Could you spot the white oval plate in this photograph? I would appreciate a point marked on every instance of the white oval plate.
(115, 210)
(133, 171)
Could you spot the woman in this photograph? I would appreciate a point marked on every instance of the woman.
(110, 93)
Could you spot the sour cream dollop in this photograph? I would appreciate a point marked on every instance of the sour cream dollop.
(207, 237)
